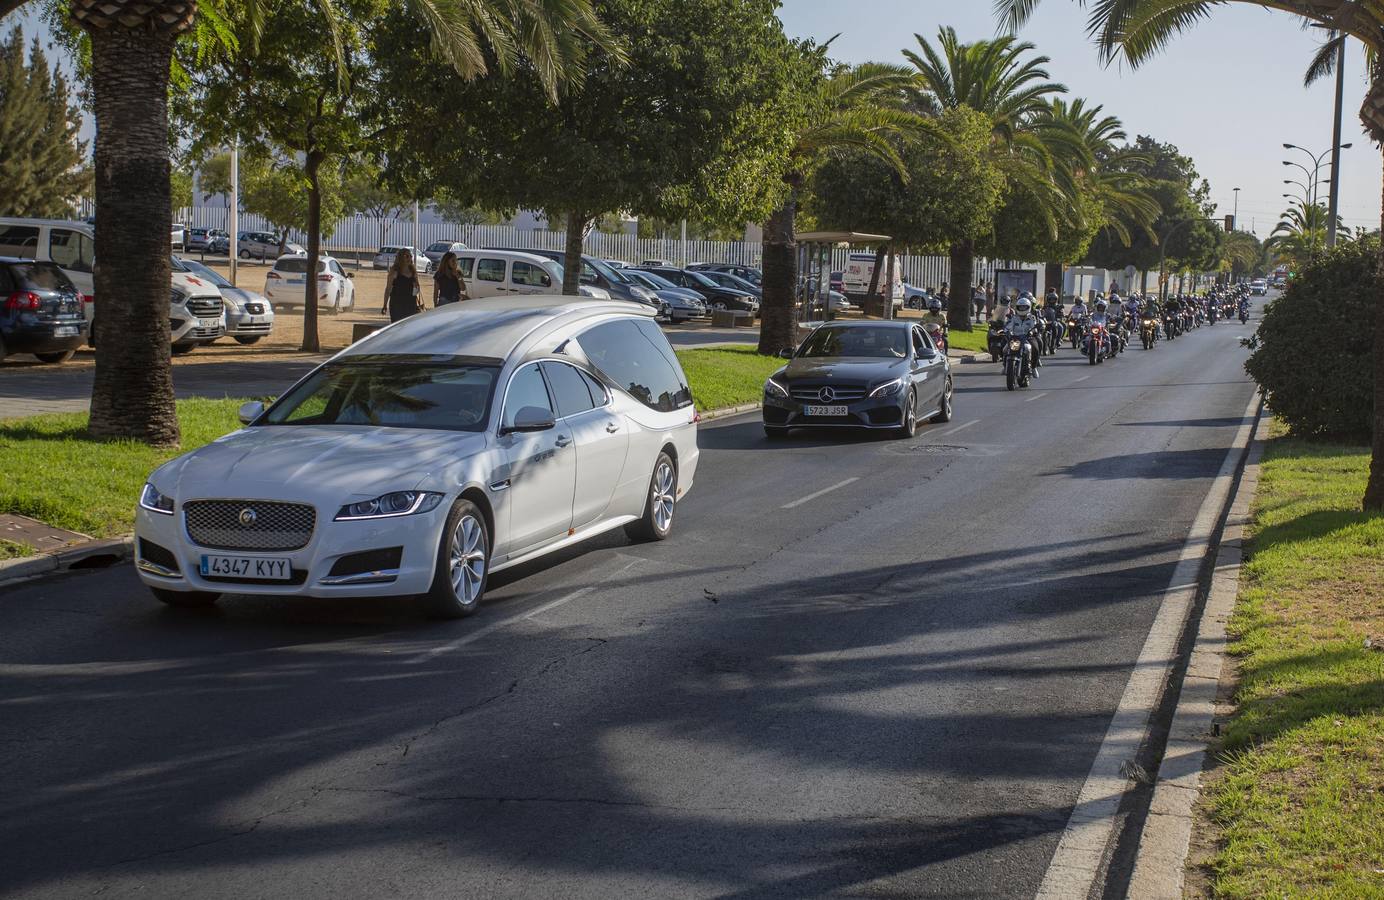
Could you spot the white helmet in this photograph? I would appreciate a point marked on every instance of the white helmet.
(1023, 306)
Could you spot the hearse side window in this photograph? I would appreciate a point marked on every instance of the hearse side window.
(629, 354)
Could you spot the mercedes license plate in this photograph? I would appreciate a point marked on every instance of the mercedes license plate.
(65, 331)
(825, 410)
(257, 567)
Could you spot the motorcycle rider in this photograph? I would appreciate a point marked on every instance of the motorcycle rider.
(1024, 325)
(1102, 316)
(1053, 313)
(1115, 312)
(934, 320)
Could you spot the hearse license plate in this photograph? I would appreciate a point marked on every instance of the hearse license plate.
(825, 410)
(256, 567)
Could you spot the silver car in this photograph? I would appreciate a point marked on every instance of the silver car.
(423, 458)
(438, 249)
(249, 316)
(385, 258)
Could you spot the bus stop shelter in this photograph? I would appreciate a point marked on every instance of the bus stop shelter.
(814, 268)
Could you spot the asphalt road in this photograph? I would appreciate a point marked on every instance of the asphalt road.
(893, 689)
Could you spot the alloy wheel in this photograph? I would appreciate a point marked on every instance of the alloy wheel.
(467, 556)
(665, 482)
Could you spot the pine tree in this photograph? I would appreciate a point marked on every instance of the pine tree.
(42, 163)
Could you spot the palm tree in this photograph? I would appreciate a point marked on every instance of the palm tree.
(850, 107)
(1301, 234)
(1138, 29)
(1000, 79)
(132, 45)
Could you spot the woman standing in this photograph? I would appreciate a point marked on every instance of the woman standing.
(401, 288)
(448, 285)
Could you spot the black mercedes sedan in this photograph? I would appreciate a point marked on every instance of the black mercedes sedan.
(717, 297)
(880, 375)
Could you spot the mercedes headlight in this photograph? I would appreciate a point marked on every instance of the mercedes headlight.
(888, 389)
(152, 500)
(387, 506)
(773, 389)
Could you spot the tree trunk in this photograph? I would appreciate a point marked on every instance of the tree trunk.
(571, 260)
(778, 323)
(132, 392)
(311, 164)
(963, 262)
(1374, 489)
(1052, 277)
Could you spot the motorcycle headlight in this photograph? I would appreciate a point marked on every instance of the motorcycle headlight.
(773, 389)
(387, 506)
(152, 500)
(888, 389)
(1013, 345)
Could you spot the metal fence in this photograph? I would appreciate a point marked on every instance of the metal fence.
(361, 236)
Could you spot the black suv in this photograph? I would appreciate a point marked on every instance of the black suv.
(40, 310)
(717, 297)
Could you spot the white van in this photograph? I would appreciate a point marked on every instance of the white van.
(71, 245)
(508, 273)
(860, 268)
(196, 312)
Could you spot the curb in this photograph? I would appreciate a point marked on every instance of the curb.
(95, 554)
(725, 411)
(1165, 840)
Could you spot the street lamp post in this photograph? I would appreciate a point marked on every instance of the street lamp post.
(1318, 160)
(1334, 196)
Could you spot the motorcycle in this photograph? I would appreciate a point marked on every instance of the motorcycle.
(938, 333)
(994, 341)
(1148, 331)
(1097, 343)
(1244, 313)
(1075, 327)
(1018, 362)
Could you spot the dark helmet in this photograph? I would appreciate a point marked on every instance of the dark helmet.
(934, 304)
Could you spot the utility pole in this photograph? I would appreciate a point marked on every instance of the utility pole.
(1334, 201)
(233, 225)
(1235, 216)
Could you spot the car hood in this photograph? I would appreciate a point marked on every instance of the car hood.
(239, 295)
(679, 295)
(194, 285)
(845, 369)
(325, 464)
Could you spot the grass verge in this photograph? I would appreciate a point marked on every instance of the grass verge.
(11, 550)
(1299, 797)
(726, 376)
(972, 341)
(71, 481)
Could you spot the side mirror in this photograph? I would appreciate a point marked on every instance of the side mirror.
(532, 418)
(350, 274)
(927, 354)
(250, 411)
(785, 354)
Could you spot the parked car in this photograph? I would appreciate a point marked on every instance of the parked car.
(435, 251)
(263, 245)
(716, 297)
(404, 466)
(283, 285)
(507, 273)
(679, 304)
(733, 282)
(196, 312)
(249, 315)
(647, 263)
(179, 236)
(198, 238)
(596, 273)
(616, 263)
(750, 273)
(880, 375)
(41, 311)
(385, 258)
(71, 245)
(219, 242)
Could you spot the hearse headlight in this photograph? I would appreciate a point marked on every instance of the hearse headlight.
(388, 506)
(152, 500)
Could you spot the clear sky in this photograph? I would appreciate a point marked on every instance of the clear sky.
(1228, 94)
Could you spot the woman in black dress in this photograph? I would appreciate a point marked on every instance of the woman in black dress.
(448, 285)
(401, 288)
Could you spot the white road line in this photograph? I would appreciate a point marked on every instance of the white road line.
(815, 494)
(1082, 378)
(1078, 859)
(505, 623)
(1037, 396)
(959, 428)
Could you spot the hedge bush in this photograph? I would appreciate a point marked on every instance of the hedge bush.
(1315, 344)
